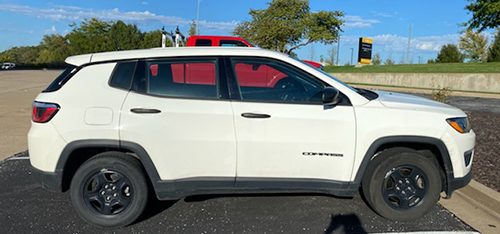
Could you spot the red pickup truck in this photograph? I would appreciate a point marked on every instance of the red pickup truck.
(230, 41)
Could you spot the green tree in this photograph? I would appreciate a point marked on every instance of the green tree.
(91, 36)
(24, 55)
(376, 60)
(485, 14)
(152, 39)
(494, 51)
(289, 24)
(127, 36)
(474, 45)
(54, 49)
(5, 57)
(389, 62)
(192, 28)
(450, 54)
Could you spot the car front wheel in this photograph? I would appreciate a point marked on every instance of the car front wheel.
(401, 184)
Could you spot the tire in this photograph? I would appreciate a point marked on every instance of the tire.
(401, 185)
(110, 190)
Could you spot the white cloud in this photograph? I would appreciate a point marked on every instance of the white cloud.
(354, 21)
(399, 44)
(383, 14)
(53, 29)
(144, 3)
(72, 13)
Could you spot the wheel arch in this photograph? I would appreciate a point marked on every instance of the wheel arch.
(77, 152)
(418, 143)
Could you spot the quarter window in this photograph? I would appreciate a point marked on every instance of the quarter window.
(122, 76)
(195, 79)
(267, 80)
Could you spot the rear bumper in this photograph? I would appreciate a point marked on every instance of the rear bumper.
(458, 183)
(51, 181)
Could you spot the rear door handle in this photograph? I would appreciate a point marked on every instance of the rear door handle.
(145, 111)
(255, 116)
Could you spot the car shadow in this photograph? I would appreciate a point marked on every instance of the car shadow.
(345, 224)
(154, 208)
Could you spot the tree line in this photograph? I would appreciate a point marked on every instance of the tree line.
(90, 36)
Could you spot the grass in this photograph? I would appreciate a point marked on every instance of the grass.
(420, 68)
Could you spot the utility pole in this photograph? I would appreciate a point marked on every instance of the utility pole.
(338, 50)
(409, 38)
(198, 18)
(352, 52)
(418, 59)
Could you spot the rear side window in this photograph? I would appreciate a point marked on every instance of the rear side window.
(61, 79)
(122, 75)
(203, 42)
(232, 43)
(191, 79)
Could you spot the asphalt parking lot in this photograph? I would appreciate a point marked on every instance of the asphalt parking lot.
(28, 208)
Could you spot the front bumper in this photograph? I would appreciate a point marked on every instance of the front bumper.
(51, 181)
(457, 183)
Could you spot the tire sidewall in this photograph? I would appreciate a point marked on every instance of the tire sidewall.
(128, 168)
(383, 165)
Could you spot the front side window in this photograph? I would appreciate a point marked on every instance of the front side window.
(271, 81)
(192, 79)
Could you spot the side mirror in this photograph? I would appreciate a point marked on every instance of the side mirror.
(330, 96)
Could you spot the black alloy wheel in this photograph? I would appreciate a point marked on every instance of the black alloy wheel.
(405, 187)
(402, 184)
(110, 190)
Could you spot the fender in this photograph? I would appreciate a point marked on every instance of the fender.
(63, 164)
(445, 156)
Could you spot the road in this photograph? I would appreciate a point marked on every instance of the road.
(28, 208)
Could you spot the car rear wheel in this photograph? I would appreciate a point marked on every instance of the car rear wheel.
(401, 184)
(110, 190)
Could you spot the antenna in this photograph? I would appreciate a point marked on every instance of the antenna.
(117, 45)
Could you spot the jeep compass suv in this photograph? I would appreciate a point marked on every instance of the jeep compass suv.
(115, 128)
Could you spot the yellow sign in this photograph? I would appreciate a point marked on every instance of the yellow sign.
(365, 61)
(367, 40)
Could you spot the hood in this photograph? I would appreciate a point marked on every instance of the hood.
(406, 101)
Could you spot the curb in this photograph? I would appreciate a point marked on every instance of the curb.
(479, 194)
(476, 205)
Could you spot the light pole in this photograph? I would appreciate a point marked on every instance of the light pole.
(198, 18)
(338, 50)
(352, 52)
(418, 59)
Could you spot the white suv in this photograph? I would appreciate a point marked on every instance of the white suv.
(116, 127)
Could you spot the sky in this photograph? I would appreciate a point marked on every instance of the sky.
(433, 23)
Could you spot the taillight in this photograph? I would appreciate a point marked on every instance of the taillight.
(43, 112)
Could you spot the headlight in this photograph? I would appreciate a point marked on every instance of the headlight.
(462, 125)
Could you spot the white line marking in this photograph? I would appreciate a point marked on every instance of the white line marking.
(431, 232)
(18, 158)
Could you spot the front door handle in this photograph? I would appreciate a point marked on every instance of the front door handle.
(255, 116)
(145, 111)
